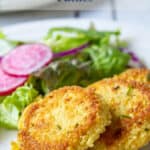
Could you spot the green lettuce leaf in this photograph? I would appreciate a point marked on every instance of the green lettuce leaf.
(2, 35)
(2, 98)
(107, 59)
(38, 84)
(13, 105)
(65, 38)
(62, 72)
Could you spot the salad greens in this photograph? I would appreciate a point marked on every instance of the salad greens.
(107, 60)
(65, 38)
(2, 35)
(2, 98)
(13, 105)
(61, 73)
(101, 58)
(82, 70)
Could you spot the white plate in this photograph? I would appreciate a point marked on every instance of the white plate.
(137, 35)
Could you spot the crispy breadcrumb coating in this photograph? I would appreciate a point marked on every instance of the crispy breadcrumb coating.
(138, 75)
(70, 118)
(129, 103)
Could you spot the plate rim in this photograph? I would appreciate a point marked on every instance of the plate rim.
(8, 28)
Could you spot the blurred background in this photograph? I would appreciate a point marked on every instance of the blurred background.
(132, 11)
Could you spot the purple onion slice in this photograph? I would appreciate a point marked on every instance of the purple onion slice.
(135, 60)
(71, 51)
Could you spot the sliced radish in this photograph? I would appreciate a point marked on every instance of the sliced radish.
(9, 83)
(26, 59)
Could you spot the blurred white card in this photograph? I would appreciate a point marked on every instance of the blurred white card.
(15, 5)
(9, 5)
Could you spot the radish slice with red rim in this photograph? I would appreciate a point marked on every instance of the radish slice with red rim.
(9, 83)
(26, 59)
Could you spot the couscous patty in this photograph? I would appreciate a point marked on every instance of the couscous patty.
(70, 118)
(129, 103)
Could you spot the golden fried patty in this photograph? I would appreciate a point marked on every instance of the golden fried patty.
(70, 118)
(138, 75)
(129, 103)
